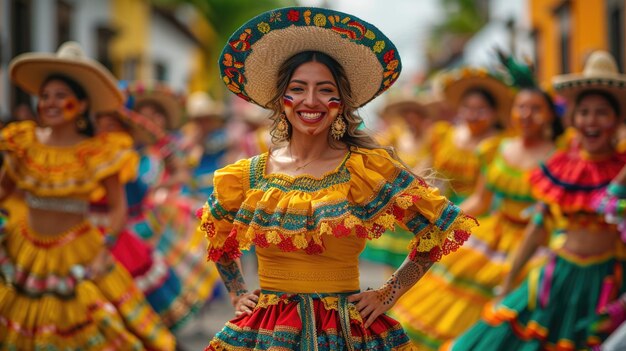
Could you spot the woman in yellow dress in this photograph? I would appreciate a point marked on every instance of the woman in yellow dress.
(450, 298)
(310, 203)
(458, 151)
(555, 307)
(60, 287)
(415, 112)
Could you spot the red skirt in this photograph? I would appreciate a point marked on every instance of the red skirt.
(308, 322)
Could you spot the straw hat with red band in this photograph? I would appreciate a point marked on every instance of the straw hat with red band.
(252, 56)
(600, 73)
(140, 92)
(30, 70)
(454, 84)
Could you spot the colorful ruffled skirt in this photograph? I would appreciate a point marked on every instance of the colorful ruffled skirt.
(196, 280)
(450, 297)
(48, 303)
(554, 309)
(282, 321)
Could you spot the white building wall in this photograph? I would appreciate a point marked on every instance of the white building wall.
(88, 16)
(495, 34)
(44, 33)
(170, 47)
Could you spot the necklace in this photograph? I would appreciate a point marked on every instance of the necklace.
(304, 165)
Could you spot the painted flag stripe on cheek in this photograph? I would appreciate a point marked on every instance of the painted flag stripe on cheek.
(334, 103)
(288, 101)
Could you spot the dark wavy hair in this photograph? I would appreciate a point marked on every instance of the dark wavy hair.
(81, 95)
(354, 136)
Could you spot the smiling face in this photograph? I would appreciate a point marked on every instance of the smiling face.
(108, 122)
(596, 121)
(530, 114)
(311, 101)
(58, 104)
(477, 113)
(154, 112)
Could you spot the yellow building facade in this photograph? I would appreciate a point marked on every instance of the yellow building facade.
(567, 31)
(132, 55)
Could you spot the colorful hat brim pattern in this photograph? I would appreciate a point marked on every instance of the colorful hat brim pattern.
(456, 83)
(250, 60)
(30, 70)
(569, 86)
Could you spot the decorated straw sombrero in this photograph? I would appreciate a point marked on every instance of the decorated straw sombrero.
(454, 84)
(159, 93)
(252, 56)
(30, 70)
(600, 73)
(201, 105)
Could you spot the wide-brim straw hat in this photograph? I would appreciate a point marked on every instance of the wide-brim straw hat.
(455, 83)
(600, 73)
(252, 56)
(30, 70)
(160, 93)
(426, 103)
(201, 105)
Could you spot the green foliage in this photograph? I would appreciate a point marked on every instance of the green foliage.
(461, 17)
(225, 16)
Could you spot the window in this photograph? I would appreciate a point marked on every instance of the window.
(537, 53)
(160, 71)
(564, 22)
(104, 36)
(20, 41)
(129, 69)
(64, 22)
(615, 30)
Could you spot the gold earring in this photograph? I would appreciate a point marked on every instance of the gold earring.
(81, 123)
(338, 128)
(282, 128)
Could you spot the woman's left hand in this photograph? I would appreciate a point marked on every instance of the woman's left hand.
(373, 303)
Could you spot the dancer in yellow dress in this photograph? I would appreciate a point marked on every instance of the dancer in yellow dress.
(458, 151)
(555, 307)
(60, 287)
(450, 298)
(310, 203)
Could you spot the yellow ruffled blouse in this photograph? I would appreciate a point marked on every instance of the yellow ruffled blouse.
(460, 166)
(511, 186)
(65, 171)
(309, 232)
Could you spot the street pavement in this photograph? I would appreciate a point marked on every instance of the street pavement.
(196, 333)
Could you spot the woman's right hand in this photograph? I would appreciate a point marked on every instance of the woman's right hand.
(244, 304)
(102, 264)
(500, 293)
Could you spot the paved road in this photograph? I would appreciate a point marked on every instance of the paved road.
(197, 332)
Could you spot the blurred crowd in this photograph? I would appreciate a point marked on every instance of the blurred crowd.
(477, 133)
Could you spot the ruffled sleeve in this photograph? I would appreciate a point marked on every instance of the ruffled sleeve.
(367, 195)
(385, 193)
(114, 157)
(218, 213)
(16, 137)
